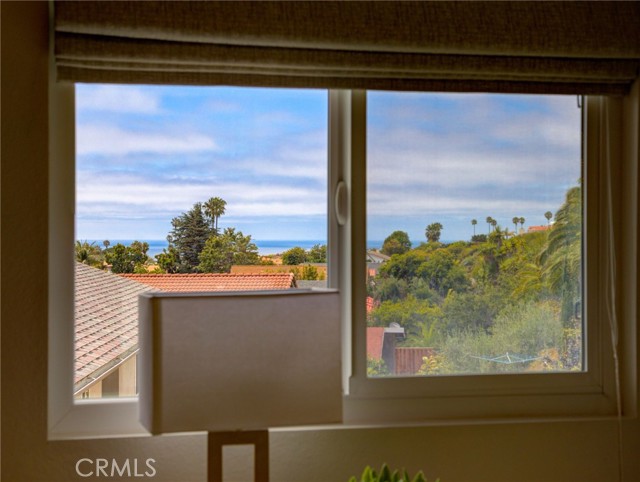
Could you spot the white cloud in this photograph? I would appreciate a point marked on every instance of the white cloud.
(118, 98)
(130, 196)
(461, 170)
(291, 162)
(390, 205)
(107, 139)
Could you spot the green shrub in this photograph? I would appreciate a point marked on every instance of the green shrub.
(385, 475)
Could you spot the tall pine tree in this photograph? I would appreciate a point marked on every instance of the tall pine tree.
(188, 237)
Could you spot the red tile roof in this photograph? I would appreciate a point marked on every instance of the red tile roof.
(106, 321)
(533, 229)
(215, 281)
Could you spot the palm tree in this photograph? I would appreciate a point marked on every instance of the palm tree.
(522, 222)
(106, 244)
(498, 235)
(515, 222)
(88, 253)
(473, 223)
(561, 258)
(489, 220)
(214, 208)
(548, 215)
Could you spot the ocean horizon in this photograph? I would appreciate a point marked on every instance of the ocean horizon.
(265, 247)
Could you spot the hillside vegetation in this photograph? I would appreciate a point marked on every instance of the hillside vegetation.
(501, 303)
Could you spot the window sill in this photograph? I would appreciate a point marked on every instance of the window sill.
(87, 419)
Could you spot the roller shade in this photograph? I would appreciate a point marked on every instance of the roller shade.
(536, 47)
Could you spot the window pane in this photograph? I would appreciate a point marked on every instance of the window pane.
(474, 232)
(189, 189)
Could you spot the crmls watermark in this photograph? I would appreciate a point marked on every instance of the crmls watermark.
(113, 468)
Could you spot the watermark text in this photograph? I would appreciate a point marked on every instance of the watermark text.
(113, 468)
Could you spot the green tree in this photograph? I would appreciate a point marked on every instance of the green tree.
(522, 220)
(294, 256)
(473, 311)
(128, 259)
(526, 329)
(376, 368)
(498, 235)
(489, 221)
(515, 222)
(443, 272)
(386, 289)
(473, 223)
(410, 313)
(432, 232)
(88, 253)
(214, 208)
(562, 256)
(189, 234)
(309, 273)
(404, 266)
(548, 215)
(396, 243)
(169, 260)
(246, 251)
(229, 248)
(317, 254)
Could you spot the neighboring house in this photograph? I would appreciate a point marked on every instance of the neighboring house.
(106, 333)
(535, 229)
(106, 320)
(381, 344)
(375, 260)
(375, 256)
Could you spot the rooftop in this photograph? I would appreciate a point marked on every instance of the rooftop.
(106, 310)
(106, 321)
(215, 281)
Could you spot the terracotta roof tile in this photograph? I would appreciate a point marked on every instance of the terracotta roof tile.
(534, 229)
(215, 281)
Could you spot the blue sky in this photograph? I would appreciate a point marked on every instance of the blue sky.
(145, 154)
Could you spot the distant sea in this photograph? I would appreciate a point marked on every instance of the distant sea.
(265, 247)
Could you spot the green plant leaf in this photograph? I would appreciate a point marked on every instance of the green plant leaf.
(385, 474)
(419, 477)
(368, 475)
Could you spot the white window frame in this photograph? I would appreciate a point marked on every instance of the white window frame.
(69, 419)
(411, 400)
(390, 401)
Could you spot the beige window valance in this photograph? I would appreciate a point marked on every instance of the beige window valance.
(536, 47)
